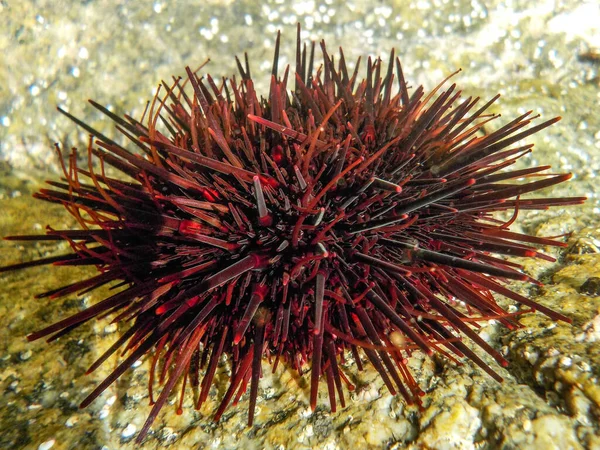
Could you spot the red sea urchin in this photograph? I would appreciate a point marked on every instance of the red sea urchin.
(340, 218)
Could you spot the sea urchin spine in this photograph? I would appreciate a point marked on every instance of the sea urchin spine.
(341, 218)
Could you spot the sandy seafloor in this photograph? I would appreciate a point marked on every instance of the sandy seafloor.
(540, 55)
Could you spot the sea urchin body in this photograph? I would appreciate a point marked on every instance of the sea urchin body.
(343, 218)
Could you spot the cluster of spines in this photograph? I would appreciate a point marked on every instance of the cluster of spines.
(306, 226)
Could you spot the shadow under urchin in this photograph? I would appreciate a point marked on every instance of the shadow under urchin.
(345, 218)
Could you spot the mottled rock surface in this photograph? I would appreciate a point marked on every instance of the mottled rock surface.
(538, 55)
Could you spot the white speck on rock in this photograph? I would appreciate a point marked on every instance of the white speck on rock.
(306, 412)
(368, 395)
(309, 430)
(47, 445)
(531, 357)
(305, 434)
(71, 421)
(584, 366)
(108, 329)
(565, 361)
(129, 431)
(104, 412)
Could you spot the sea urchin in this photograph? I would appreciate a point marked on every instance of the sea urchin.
(343, 218)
